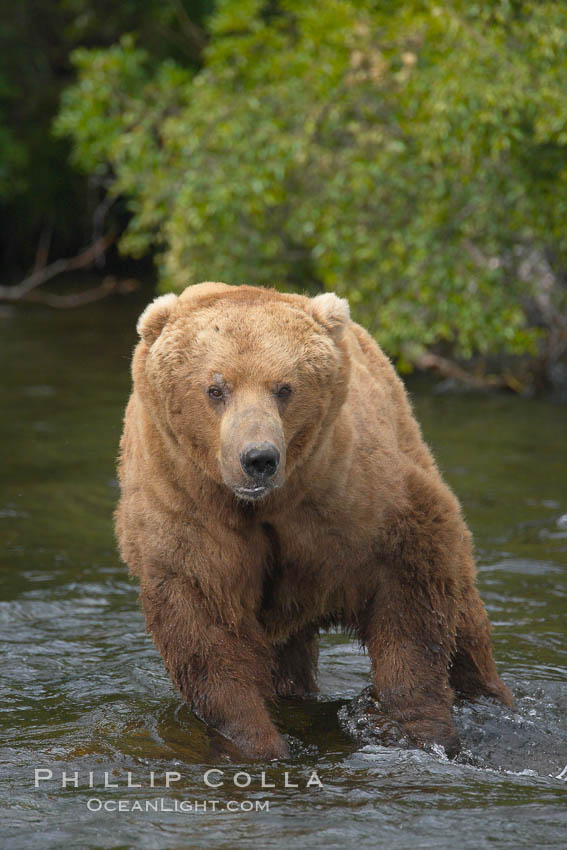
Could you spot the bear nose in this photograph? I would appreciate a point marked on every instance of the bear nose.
(260, 460)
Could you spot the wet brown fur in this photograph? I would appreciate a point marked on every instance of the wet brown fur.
(361, 530)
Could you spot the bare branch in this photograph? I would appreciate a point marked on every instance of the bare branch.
(42, 275)
(99, 218)
(449, 369)
(42, 252)
(109, 286)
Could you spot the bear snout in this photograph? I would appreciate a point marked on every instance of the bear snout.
(260, 461)
(252, 448)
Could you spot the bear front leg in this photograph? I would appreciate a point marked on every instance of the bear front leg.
(225, 675)
(410, 624)
(409, 640)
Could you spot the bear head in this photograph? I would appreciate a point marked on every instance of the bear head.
(246, 381)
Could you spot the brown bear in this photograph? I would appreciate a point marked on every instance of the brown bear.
(274, 482)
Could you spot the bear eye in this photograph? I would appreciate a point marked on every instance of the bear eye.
(284, 391)
(215, 393)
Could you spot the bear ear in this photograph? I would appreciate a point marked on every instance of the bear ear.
(332, 312)
(203, 290)
(153, 319)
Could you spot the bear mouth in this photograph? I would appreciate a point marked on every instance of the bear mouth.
(251, 494)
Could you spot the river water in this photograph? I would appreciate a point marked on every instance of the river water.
(84, 693)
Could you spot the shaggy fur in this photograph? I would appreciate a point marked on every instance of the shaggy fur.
(356, 528)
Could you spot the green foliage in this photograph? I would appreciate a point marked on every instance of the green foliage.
(409, 155)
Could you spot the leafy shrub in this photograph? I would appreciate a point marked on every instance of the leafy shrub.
(408, 155)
